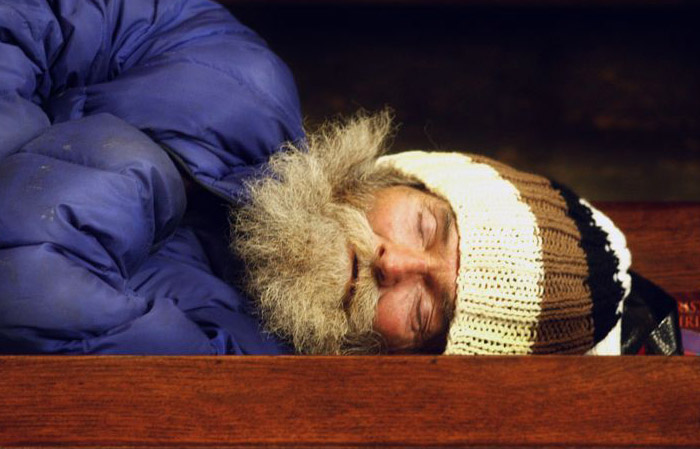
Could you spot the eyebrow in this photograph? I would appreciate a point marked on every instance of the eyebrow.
(446, 223)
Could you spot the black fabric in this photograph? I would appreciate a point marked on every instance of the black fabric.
(650, 320)
(207, 215)
(606, 291)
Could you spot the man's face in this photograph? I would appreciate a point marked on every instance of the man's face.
(415, 266)
(332, 265)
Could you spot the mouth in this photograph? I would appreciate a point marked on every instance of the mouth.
(352, 282)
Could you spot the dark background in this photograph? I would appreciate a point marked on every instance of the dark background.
(603, 96)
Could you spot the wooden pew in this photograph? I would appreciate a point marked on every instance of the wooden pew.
(664, 239)
(387, 401)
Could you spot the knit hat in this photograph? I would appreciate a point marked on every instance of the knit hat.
(541, 271)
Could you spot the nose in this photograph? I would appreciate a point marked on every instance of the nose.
(394, 263)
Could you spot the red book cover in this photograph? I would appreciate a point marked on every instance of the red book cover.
(689, 320)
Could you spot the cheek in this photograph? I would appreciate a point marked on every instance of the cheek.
(391, 320)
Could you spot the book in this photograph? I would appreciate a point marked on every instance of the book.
(689, 321)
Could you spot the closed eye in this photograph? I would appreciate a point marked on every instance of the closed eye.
(430, 227)
(419, 227)
(426, 226)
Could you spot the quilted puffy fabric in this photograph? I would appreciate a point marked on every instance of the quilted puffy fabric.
(99, 101)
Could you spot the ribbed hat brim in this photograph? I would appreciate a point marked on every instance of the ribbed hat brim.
(540, 270)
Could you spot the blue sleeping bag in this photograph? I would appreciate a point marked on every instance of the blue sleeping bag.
(102, 104)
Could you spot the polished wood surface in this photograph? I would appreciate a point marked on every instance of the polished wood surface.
(386, 401)
(664, 239)
(405, 401)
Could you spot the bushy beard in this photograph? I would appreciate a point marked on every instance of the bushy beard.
(294, 238)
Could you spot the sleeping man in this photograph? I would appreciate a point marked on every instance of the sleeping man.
(158, 195)
(425, 251)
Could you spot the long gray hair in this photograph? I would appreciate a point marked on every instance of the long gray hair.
(306, 216)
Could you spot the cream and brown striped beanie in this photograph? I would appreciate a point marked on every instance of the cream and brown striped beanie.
(541, 270)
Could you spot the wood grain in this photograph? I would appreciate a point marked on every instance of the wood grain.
(664, 239)
(403, 401)
(377, 401)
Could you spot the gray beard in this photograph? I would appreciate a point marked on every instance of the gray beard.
(293, 238)
(294, 235)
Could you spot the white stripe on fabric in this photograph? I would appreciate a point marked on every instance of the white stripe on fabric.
(611, 344)
(499, 244)
(618, 244)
